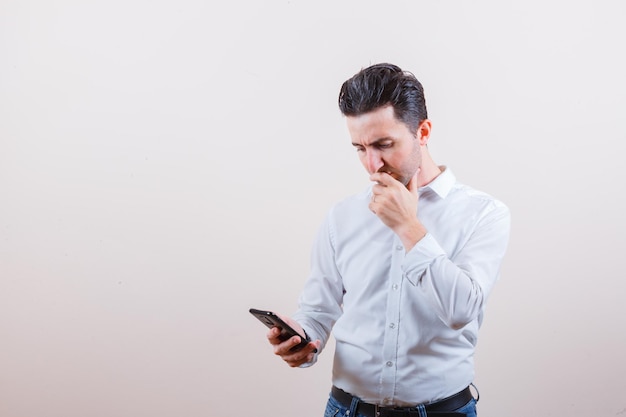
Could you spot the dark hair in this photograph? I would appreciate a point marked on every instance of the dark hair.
(380, 85)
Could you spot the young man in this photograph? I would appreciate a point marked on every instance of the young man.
(401, 272)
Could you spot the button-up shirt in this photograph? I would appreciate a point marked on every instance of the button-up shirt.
(405, 323)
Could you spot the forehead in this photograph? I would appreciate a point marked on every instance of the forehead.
(376, 125)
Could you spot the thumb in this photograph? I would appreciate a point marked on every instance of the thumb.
(413, 184)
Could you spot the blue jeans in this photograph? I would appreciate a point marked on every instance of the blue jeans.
(334, 409)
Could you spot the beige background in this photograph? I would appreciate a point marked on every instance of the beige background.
(164, 166)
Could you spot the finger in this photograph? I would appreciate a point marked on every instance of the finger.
(307, 354)
(284, 348)
(272, 336)
(318, 345)
(413, 184)
(313, 346)
(382, 178)
(372, 206)
(378, 189)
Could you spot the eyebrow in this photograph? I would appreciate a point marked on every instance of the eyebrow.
(375, 142)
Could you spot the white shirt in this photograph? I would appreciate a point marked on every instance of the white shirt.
(405, 324)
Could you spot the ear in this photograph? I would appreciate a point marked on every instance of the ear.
(423, 132)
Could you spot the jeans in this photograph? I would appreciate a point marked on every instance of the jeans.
(334, 409)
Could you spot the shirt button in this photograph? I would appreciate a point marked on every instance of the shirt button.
(394, 286)
(398, 247)
(392, 325)
(389, 363)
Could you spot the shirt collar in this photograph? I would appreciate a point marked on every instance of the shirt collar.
(443, 183)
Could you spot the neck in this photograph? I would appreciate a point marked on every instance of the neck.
(429, 169)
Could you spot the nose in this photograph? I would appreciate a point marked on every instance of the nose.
(373, 162)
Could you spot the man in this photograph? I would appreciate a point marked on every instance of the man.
(401, 272)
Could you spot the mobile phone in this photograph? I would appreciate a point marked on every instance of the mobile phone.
(270, 319)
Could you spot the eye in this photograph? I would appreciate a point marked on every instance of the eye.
(385, 145)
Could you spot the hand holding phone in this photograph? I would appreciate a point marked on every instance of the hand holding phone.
(271, 320)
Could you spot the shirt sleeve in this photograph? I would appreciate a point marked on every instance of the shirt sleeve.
(458, 287)
(321, 298)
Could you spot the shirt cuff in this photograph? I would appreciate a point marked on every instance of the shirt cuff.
(418, 259)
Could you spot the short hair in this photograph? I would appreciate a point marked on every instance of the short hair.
(385, 84)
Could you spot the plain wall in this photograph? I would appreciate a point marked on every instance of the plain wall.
(164, 166)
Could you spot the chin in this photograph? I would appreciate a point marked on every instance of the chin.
(405, 181)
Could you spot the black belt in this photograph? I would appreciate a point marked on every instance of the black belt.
(441, 408)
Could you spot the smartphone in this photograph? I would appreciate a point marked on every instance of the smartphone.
(286, 331)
